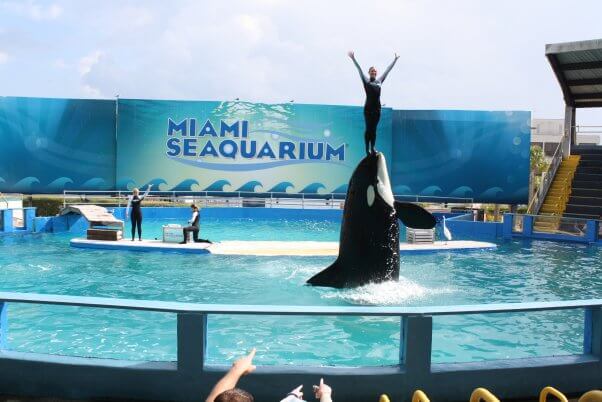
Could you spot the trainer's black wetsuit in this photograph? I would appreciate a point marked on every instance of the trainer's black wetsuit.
(194, 228)
(372, 105)
(135, 202)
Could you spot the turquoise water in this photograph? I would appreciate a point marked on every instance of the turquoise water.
(515, 272)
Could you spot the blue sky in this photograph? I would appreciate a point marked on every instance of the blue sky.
(459, 54)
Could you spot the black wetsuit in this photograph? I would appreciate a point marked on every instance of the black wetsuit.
(135, 202)
(136, 216)
(194, 228)
(372, 106)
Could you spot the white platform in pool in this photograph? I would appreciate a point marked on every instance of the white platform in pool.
(270, 248)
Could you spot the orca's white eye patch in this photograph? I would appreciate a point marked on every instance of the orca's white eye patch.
(370, 195)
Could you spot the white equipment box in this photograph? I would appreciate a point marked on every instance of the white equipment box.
(420, 236)
(172, 233)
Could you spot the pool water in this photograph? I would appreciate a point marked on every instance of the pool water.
(515, 272)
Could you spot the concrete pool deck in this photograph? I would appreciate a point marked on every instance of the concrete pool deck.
(270, 248)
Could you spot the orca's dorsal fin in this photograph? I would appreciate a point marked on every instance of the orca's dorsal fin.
(414, 216)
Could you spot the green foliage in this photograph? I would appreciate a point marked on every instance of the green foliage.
(538, 160)
(46, 206)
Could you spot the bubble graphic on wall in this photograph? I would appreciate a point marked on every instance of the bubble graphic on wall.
(326, 133)
(516, 141)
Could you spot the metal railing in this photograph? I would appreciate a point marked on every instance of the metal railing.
(550, 225)
(199, 312)
(241, 199)
(547, 178)
(192, 376)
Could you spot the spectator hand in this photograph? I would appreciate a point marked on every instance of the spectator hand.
(297, 392)
(322, 390)
(396, 56)
(244, 365)
(351, 54)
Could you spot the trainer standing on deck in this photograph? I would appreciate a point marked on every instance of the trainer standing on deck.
(135, 202)
(372, 106)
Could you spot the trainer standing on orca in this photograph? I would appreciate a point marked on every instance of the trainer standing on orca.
(372, 106)
(135, 202)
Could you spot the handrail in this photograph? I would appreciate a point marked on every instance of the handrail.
(541, 192)
(270, 195)
(535, 216)
(177, 307)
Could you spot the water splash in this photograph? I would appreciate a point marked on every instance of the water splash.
(386, 293)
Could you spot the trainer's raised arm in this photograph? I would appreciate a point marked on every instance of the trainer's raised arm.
(351, 55)
(389, 68)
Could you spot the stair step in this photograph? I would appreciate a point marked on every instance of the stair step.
(588, 176)
(589, 170)
(586, 150)
(591, 157)
(586, 192)
(588, 184)
(584, 209)
(580, 216)
(591, 163)
(589, 201)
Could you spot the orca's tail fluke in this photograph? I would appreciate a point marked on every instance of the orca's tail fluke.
(330, 277)
(414, 216)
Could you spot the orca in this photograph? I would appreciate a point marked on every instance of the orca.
(369, 238)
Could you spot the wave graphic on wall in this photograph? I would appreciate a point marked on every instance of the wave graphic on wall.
(60, 184)
(26, 185)
(312, 188)
(156, 182)
(245, 167)
(281, 187)
(218, 185)
(250, 186)
(185, 185)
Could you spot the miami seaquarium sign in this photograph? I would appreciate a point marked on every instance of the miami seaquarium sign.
(214, 144)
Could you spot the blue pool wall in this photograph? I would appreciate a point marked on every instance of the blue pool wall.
(191, 378)
(461, 224)
(461, 228)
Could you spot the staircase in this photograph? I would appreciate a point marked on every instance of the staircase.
(586, 196)
(557, 197)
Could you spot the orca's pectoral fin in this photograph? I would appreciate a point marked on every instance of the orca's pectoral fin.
(330, 277)
(414, 216)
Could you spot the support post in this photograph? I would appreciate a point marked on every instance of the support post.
(569, 130)
(507, 226)
(29, 214)
(591, 233)
(192, 341)
(3, 325)
(527, 225)
(416, 345)
(7, 220)
(592, 334)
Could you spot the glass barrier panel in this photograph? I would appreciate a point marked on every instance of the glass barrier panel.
(517, 223)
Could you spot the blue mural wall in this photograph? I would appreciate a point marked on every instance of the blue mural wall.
(468, 154)
(241, 146)
(49, 145)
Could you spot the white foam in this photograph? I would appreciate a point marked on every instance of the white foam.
(386, 293)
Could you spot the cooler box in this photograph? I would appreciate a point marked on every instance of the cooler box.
(172, 233)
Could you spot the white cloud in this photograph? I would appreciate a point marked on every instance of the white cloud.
(33, 10)
(86, 63)
(4, 57)
(464, 54)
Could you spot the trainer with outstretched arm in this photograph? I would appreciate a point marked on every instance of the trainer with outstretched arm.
(135, 202)
(372, 86)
